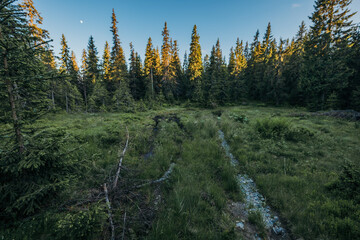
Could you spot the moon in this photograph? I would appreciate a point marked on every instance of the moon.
(81, 21)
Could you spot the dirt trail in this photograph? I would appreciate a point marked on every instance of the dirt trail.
(254, 202)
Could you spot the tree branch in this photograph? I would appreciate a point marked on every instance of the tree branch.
(109, 212)
(121, 159)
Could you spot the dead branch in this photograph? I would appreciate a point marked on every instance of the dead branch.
(109, 212)
(123, 233)
(163, 178)
(121, 159)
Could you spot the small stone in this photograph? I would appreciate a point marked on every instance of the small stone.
(240, 225)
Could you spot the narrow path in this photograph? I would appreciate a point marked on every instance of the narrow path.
(254, 201)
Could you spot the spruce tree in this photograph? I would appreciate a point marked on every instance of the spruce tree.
(135, 75)
(64, 56)
(65, 89)
(176, 71)
(157, 72)
(83, 83)
(325, 70)
(195, 67)
(149, 70)
(106, 63)
(119, 84)
(32, 169)
(293, 68)
(166, 81)
(118, 63)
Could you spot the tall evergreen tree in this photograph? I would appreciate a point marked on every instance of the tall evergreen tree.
(195, 67)
(176, 71)
(149, 70)
(118, 63)
(64, 56)
(34, 21)
(32, 169)
(135, 74)
(119, 85)
(166, 81)
(106, 63)
(326, 73)
(293, 68)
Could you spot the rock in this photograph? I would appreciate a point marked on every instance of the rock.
(240, 225)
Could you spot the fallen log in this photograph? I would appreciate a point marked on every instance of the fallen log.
(109, 213)
(121, 159)
(163, 178)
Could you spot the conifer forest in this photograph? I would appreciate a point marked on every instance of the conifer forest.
(263, 143)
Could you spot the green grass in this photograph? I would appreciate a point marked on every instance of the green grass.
(293, 160)
(299, 164)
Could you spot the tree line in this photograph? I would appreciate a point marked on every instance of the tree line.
(318, 68)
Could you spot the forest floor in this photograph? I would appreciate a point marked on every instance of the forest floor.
(237, 172)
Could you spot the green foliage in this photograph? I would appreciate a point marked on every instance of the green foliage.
(35, 178)
(81, 224)
(347, 186)
(239, 118)
(295, 163)
(276, 128)
(256, 219)
(272, 128)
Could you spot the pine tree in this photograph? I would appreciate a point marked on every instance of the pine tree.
(118, 64)
(74, 73)
(65, 87)
(216, 84)
(92, 71)
(195, 68)
(149, 70)
(64, 56)
(157, 72)
(34, 21)
(254, 71)
(106, 63)
(82, 79)
(32, 168)
(176, 71)
(237, 72)
(325, 69)
(293, 68)
(353, 90)
(166, 81)
(119, 84)
(135, 75)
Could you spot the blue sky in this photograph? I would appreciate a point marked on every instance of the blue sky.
(140, 19)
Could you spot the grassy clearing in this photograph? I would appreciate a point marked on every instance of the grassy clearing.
(306, 167)
(296, 161)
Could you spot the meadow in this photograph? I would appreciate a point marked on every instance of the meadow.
(307, 168)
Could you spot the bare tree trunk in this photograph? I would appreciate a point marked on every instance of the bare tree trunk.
(16, 125)
(109, 213)
(121, 159)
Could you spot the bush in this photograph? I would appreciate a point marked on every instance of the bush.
(272, 128)
(84, 224)
(280, 128)
(347, 186)
(34, 178)
(239, 118)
